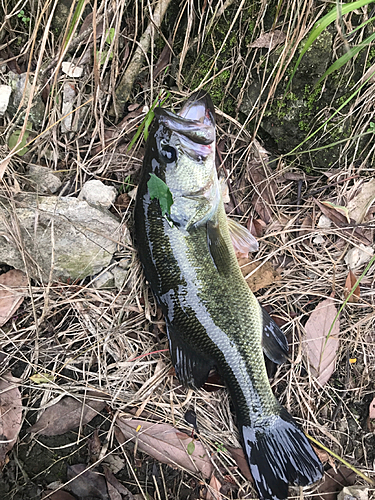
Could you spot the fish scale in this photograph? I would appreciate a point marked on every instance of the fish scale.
(213, 320)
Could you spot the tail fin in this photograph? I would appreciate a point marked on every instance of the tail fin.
(279, 453)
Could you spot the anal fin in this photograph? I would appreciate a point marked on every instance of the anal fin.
(275, 344)
(192, 368)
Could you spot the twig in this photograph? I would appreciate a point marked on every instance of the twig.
(126, 84)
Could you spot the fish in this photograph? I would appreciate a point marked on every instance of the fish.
(213, 320)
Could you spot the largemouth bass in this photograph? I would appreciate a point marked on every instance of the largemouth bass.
(213, 320)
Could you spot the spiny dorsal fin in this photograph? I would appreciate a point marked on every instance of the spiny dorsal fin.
(275, 345)
(243, 241)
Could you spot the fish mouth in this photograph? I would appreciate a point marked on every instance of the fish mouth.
(195, 121)
(199, 107)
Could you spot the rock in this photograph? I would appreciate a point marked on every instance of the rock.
(70, 69)
(82, 236)
(97, 193)
(43, 179)
(5, 91)
(21, 85)
(60, 16)
(69, 95)
(353, 493)
(104, 280)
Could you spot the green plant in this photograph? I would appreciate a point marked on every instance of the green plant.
(21, 15)
(371, 127)
(322, 24)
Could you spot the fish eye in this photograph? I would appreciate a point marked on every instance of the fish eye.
(168, 153)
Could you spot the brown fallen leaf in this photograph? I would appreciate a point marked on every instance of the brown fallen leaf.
(239, 457)
(66, 415)
(341, 221)
(213, 491)
(114, 485)
(320, 349)
(269, 40)
(333, 482)
(361, 203)
(86, 483)
(165, 444)
(10, 416)
(349, 284)
(94, 447)
(13, 289)
(164, 58)
(264, 187)
(264, 276)
(338, 208)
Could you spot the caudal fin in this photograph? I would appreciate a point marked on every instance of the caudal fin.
(279, 453)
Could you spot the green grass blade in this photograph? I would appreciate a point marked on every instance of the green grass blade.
(147, 121)
(346, 57)
(76, 17)
(321, 25)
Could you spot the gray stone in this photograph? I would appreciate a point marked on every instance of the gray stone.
(97, 193)
(43, 179)
(104, 280)
(21, 87)
(83, 237)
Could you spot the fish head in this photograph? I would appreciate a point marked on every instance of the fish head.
(181, 151)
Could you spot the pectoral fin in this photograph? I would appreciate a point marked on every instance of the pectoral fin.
(243, 241)
(275, 345)
(218, 247)
(191, 367)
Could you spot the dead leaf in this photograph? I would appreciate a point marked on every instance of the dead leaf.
(164, 58)
(42, 378)
(340, 209)
(349, 284)
(333, 482)
(213, 491)
(361, 203)
(263, 277)
(320, 349)
(10, 416)
(264, 187)
(114, 484)
(269, 40)
(372, 409)
(239, 457)
(66, 415)
(359, 255)
(13, 289)
(341, 221)
(57, 495)
(87, 483)
(94, 447)
(324, 457)
(165, 444)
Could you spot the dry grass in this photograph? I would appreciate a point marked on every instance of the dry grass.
(105, 339)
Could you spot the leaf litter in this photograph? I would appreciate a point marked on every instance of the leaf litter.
(166, 444)
(13, 290)
(10, 415)
(320, 344)
(66, 415)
